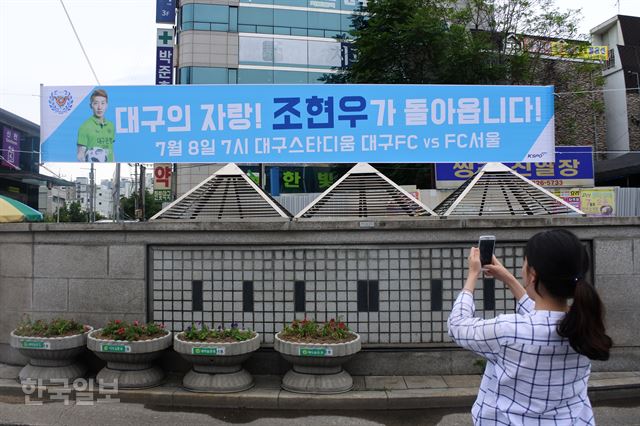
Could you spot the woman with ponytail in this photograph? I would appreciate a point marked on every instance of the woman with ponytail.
(538, 359)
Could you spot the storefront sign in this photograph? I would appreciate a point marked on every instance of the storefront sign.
(164, 57)
(162, 182)
(10, 148)
(303, 124)
(573, 168)
(592, 201)
(165, 11)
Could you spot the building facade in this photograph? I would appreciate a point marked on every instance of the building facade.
(20, 160)
(257, 42)
(622, 99)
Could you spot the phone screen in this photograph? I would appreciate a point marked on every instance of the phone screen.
(486, 245)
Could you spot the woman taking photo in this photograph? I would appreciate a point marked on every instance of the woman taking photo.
(538, 359)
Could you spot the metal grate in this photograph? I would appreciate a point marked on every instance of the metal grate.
(227, 194)
(496, 190)
(408, 310)
(364, 192)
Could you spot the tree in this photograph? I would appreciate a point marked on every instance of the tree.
(468, 42)
(449, 42)
(71, 213)
(152, 206)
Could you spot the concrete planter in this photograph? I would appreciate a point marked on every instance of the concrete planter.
(52, 360)
(130, 363)
(217, 367)
(317, 367)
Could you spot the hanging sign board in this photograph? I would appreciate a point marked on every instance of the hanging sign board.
(297, 123)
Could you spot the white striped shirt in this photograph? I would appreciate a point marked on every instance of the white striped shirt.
(533, 376)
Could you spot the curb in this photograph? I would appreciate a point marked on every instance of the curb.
(268, 395)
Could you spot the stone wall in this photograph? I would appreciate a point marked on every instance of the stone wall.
(633, 110)
(103, 271)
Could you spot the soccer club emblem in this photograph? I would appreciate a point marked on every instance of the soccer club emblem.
(60, 101)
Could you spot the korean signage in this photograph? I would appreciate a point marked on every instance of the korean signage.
(565, 49)
(599, 201)
(162, 182)
(10, 148)
(165, 11)
(164, 57)
(299, 123)
(573, 166)
(299, 179)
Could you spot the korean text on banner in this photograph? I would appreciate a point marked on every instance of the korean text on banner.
(299, 123)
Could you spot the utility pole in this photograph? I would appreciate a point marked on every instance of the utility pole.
(135, 191)
(142, 191)
(92, 216)
(116, 194)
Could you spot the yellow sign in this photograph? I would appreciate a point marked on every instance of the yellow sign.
(598, 201)
(592, 201)
(571, 50)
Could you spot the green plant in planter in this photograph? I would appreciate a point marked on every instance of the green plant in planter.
(308, 330)
(135, 331)
(53, 328)
(202, 333)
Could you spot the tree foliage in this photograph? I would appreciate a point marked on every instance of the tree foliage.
(71, 213)
(467, 42)
(151, 205)
(453, 42)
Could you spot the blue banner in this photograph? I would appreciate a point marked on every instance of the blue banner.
(297, 123)
(165, 11)
(573, 166)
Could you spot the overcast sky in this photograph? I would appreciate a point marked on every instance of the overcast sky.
(37, 46)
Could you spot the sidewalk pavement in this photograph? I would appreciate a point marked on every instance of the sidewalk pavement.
(369, 392)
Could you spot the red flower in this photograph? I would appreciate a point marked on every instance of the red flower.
(121, 330)
(117, 321)
(341, 326)
(136, 323)
(162, 325)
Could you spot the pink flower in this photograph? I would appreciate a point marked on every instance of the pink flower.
(136, 323)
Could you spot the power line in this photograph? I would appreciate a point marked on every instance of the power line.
(80, 42)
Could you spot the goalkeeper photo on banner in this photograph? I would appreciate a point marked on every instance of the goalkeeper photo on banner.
(97, 134)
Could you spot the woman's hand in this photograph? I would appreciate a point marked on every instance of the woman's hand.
(474, 269)
(474, 262)
(496, 270)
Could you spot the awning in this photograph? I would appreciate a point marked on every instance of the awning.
(619, 167)
(31, 178)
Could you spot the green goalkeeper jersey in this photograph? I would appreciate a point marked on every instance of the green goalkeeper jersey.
(93, 134)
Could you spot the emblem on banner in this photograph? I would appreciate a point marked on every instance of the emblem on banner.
(60, 101)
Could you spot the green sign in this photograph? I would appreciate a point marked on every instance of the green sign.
(35, 344)
(115, 348)
(315, 352)
(207, 351)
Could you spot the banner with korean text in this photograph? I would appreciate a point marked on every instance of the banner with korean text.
(297, 124)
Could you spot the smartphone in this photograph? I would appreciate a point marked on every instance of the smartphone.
(486, 244)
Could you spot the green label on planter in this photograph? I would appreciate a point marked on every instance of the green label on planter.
(207, 351)
(115, 348)
(315, 352)
(35, 344)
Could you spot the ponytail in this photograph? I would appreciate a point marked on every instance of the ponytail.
(583, 325)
